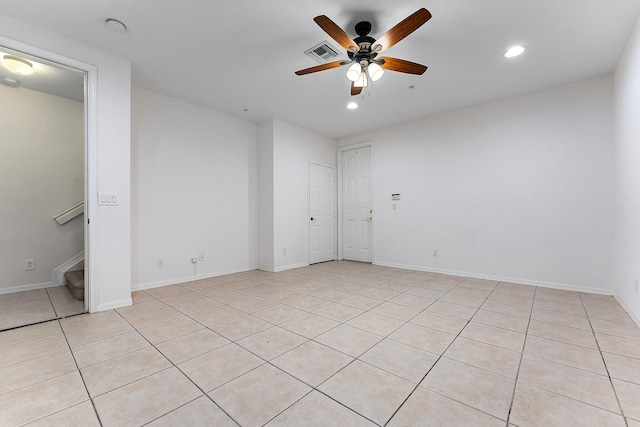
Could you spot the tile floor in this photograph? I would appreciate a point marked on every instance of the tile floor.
(334, 344)
(28, 307)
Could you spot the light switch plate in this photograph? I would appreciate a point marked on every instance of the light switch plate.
(107, 199)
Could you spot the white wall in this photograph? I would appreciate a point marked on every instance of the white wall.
(109, 150)
(285, 153)
(194, 190)
(518, 189)
(627, 161)
(41, 175)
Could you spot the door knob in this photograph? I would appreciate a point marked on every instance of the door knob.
(313, 219)
(370, 219)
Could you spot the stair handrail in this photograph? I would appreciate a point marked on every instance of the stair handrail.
(70, 213)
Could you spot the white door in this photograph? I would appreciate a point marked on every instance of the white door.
(322, 211)
(356, 205)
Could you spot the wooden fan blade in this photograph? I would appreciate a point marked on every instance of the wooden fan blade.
(355, 90)
(403, 29)
(395, 64)
(322, 67)
(335, 32)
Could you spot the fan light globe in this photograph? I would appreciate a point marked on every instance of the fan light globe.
(362, 81)
(375, 72)
(354, 72)
(17, 65)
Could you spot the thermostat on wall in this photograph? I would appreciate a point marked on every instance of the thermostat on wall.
(395, 196)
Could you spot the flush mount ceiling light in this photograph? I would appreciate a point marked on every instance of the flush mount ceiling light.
(514, 51)
(17, 65)
(9, 81)
(352, 106)
(116, 26)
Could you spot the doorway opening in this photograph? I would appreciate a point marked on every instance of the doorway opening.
(43, 252)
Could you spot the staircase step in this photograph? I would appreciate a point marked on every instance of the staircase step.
(75, 283)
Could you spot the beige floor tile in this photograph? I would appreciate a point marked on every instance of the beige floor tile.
(188, 346)
(169, 330)
(140, 296)
(370, 391)
(440, 322)
(140, 308)
(333, 295)
(426, 408)
(485, 356)
(308, 303)
(146, 399)
(412, 301)
(196, 306)
(461, 299)
(317, 410)
(81, 415)
(618, 345)
(506, 305)
(629, 395)
(425, 292)
(217, 315)
(258, 396)
(113, 373)
(562, 307)
(144, 320)
(397, 311)
(271, 342)
(32, 349)
(564, 334)
(567, 354)
(232, 296)
(279, 313)
(39, 400)
(453, 310)
(96, 332)
(571, 382)
(558, 318)
(309, 325)
(219, 366)
(619, 329)
(623, 368)
(361, 302)
(253, 304)
(408, 362)
(199, 412)
(338, 312)
(501, 320)
(615, 315)
(632, 423)
(22, 374)
(166, 291)
(12, 321)
(505, 338)
(463, 289)
(312, 363)
(108, 348)
(427, 339)
(381, 294)
(241, 327)
(89, 320)
(375, 323)
(475, 387)
(29, 333)
(559, 295)
(349, 340)
(536, 407)
(180, 298)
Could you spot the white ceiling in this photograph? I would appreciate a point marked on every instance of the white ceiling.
(232, 55)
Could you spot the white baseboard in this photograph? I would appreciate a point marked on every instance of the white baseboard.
(552, 285)
(58, 272)
(632, 314)
(290, 267)
(115, 304)
(268, 268)
(160, 283)
(30, 287)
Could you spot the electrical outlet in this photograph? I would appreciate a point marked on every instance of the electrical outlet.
(435, 252)
(194, 259)
(201, 256)
(29, 264)
(284, 251)
(160, 262)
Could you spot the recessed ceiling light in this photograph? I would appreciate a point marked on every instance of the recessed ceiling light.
(352, 106)
(116, 26)
(17, 65)
(514, 51)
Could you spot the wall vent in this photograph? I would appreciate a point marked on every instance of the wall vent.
(322, 52)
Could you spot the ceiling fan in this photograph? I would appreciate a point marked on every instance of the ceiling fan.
(363, 50)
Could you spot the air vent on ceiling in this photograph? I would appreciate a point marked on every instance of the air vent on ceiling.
(322, 52)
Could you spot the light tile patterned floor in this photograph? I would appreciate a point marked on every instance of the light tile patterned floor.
(334, 344)
(29, 307)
